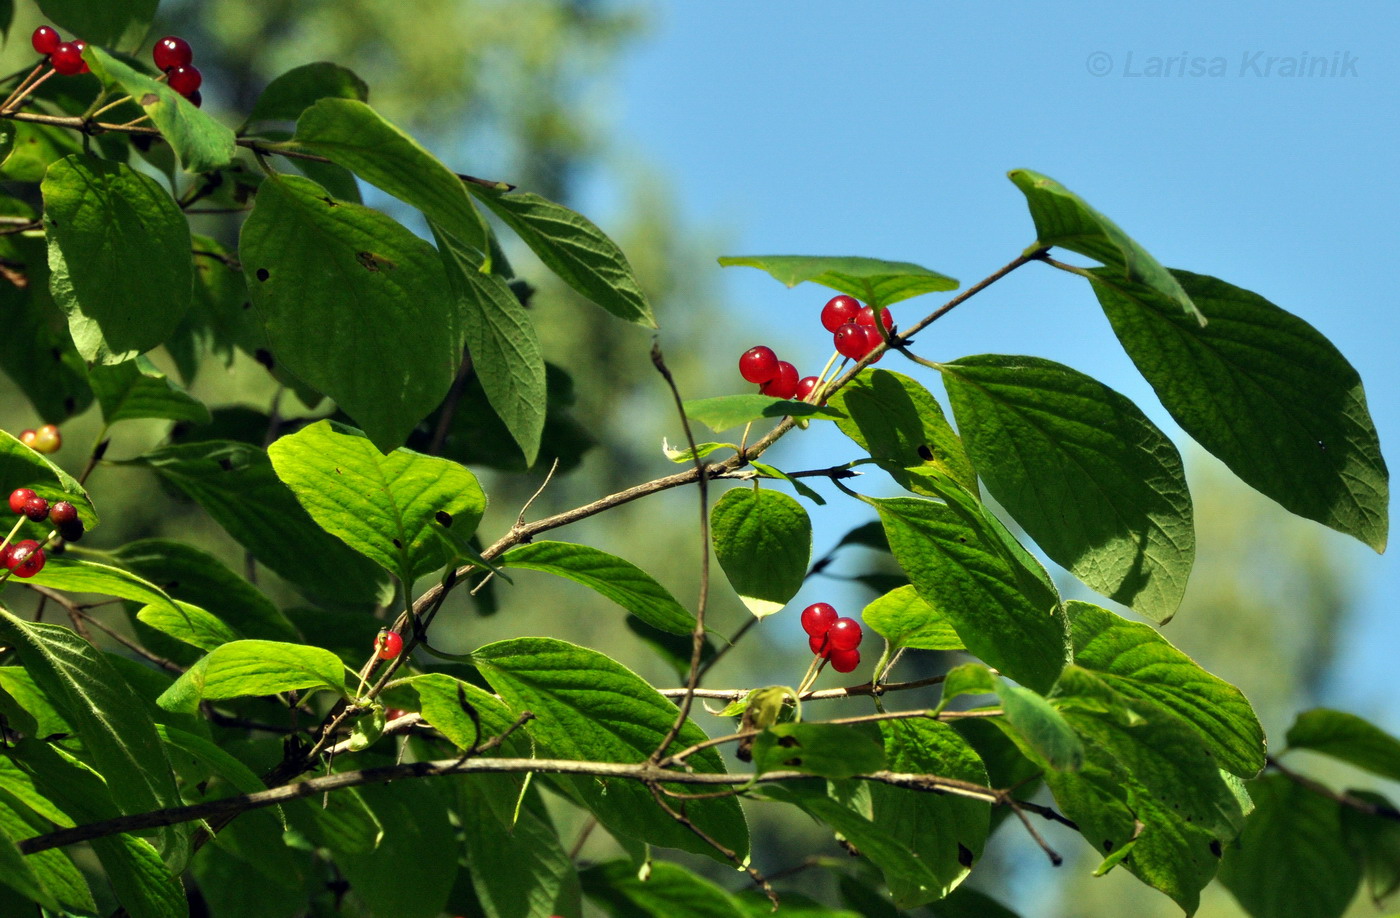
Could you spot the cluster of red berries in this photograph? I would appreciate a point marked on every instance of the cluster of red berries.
(852, 326)
(64, 56)
(26, 558)
(833, 637)
(45, 440)
(172, 55)
(853, 332)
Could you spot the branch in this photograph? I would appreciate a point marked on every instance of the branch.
(641, 771)
(864, 688)
(1343, 799)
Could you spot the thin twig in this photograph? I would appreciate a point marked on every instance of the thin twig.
(864, 688)
(729, 853)
(697, 637)
(1342, 798)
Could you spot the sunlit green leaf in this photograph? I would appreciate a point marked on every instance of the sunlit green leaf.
(252, 668)
(829, 750)
(725, 411)
(904, 619)
(868, 279)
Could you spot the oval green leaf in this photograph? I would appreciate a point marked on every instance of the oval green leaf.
(287, 96)
(381, 506)
(904, 619)
(188, 623)
(1091, 479)
(763, 540)
(1141, 665)
(621, 581)
(870, 280)
(829, 750)
(1349, 738)
(138, 389)
(1064, 219)
(254, 668)
(353, 135)
(1264, 392)
(119, 257)
(901, 425)
(575, 249)
(591, 708)
(336, 286)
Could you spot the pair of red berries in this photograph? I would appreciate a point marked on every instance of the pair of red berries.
(775, 377)
(64, 56)
(171, 54)
(853, 326)
(45, 440)
(831, 636)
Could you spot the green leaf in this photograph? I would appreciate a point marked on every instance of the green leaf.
(1040, 727)
(121, 25)
(795, 905)
(1091, 479)
(117, 733)
(518, 870)
(355, 136)
(901, 425)
(1291, 860)
(668, 891)
(968, 679)
(1141, 665)
(763, 541)
(21, 467)
(78, 576)
(335, 284)
(37, 351)
(34, 148)
(1148, 780)
(802, 489)
(1376, 841)
(871, 280)
(958, 560)
(441, 698)
(287, 96)
(194, 576)
(946, 833)
(137, 389)
(119, 256)
(621, 581)
(1264, 392)
(591, 708)
(904, 619)
(904, 869)
(188, 623)
(504, 348)
(725, 411)
(410, 873)
(254, 668)
(15, 870)
(1349, 738)
(381, 506)
(236, 485)
(829, 750)
(1064, 219)
(687, 457)
(201, 143)
(573, 248)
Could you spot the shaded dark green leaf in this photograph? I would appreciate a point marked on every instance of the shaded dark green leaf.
(1347, 737)
(763, 541)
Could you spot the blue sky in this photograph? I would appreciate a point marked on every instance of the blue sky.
(886, 129)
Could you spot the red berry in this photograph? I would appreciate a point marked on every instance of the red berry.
(805, 385)
(820, 644)
(867, 317)
(843, 661)
(45, 39)
(63, 513)
(196, 99)
(758, 364)
(18, 498)
(46, 440)
(26, 559)
(388, 644)
(818, 618)
(185, 80)
(850, 341)
(845, 634)
(873, 340)
(67, 58)
(37, 509)
(838, 311)
(784, 385)
(171, 52)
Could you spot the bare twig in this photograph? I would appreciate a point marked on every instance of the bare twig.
(1340, 797)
